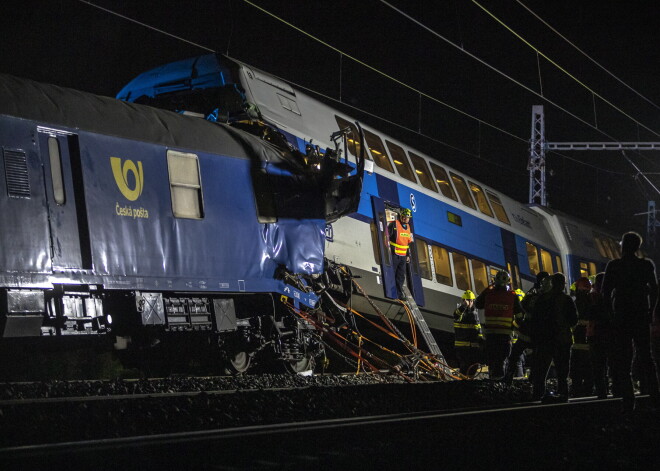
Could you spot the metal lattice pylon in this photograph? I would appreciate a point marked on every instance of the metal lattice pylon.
(536, 164)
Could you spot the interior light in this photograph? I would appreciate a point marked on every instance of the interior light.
(397, 162)
(374, 151)
(419, 172)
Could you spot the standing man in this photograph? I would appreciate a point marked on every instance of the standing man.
(554, 317)
(500, 306)
(467, 333)
(580, 369)
(401, 237)
(630, 289)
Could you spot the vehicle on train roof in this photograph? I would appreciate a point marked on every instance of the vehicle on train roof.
(465, 230)
(126, 219)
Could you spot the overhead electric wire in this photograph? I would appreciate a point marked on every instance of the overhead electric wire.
(159, 30)
(503, 74)
(494, 69)
(587, 55)
(145, 25)
(410, 87)
(380, 72)
(559, 67)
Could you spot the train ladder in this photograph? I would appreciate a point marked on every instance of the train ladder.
(423, 326)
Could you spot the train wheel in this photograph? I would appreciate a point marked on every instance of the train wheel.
(237, 363)
(305, 365)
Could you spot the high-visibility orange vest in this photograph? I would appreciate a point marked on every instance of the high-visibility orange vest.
(498, 312)
(403, 238)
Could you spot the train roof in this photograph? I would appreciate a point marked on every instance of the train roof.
(59, 106)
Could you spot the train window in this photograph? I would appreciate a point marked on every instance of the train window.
(532, 258)
(56, 170)
(378, 151)
(600, 245)
(422, 172)
(592, 268)
(462, 271)
(584, 269)
(616, 248)
(491, 274)
(480, 274)
(497, 206)
(185, 185)
(374, 240)
(454, 218)
(401, 161)
(353, 137)
(515, 276)
(442, 179)
(424, 259)
(546, 261)
(560, 268)
(441, 265)
(462, 189)
(480, 197)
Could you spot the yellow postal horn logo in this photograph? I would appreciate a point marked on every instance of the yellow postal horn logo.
(121, 177)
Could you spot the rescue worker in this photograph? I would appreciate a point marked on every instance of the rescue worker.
(630, 289)
(580, 366)
(520, 342)
(400, 235)
(500, 306)
(467, 334)
(599, 337)
(528, 304)
(554, 316)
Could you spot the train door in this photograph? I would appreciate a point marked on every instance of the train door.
(511, 259)
(69, 232)
(383, 215)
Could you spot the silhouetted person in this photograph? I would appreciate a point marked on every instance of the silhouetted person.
(630, 288)
(582, 382)
(599, 337)
(554, 316)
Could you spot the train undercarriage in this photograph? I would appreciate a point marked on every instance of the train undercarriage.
(238, 330)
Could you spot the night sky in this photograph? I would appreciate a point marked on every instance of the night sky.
(73, 44)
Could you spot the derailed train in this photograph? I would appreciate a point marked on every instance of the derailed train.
(125, 219)
(465, 231)
(165, 223)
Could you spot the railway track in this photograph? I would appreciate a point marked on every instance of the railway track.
(389, 441)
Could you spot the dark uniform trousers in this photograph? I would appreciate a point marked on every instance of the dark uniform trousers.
(625, 333)
(399, 266)
(498, 349)
(544, 354)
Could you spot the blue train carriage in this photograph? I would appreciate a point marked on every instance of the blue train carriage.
(464, 230)
(586, 248)
(125, 219)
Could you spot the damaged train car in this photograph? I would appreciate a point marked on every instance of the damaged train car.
(138, 224)
(465, 230)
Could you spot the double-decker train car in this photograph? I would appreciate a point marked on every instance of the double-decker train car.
(126, 219)
(464, 230)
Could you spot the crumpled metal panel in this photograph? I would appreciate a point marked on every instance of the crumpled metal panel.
(296, 244)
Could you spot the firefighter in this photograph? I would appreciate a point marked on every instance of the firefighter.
(400, 234)
(630, 289)
(580, 366)
(554, 316)
(468, 337)
(521, 342)
(500, 306)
